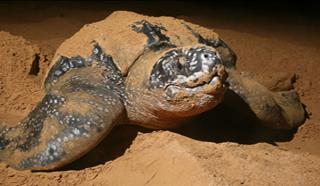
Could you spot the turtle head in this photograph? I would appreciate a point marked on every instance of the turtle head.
(187, 71)
(190, 80)
(178, 83)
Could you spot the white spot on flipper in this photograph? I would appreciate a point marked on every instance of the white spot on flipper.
(65, 139)
(76, 131)
(86, 135)
(53, 147)
(87, 127)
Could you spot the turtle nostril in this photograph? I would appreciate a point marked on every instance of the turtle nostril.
(179, 66)
(206, 55)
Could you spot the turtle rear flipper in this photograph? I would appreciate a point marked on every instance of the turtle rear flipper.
(78, 111)
(281, 110)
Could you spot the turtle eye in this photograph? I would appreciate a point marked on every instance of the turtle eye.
(207, 55)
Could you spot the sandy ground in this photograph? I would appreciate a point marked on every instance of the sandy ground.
(220, 147)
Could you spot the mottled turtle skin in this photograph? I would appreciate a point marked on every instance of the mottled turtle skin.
(133, 69)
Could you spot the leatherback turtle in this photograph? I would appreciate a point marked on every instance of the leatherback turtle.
(150, 71)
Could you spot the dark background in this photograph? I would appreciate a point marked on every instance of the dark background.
(302, 10)
(280, 17)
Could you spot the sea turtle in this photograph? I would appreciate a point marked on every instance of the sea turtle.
(128, 68)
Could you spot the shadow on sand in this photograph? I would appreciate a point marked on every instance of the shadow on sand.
(231, 121)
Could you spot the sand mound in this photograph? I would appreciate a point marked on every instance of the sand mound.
(165, 158)
(23, 66)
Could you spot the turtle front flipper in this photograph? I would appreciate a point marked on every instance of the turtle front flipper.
(80, 108)
(280, 110)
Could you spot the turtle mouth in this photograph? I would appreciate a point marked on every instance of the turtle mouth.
(208, 75)
(208, 83)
